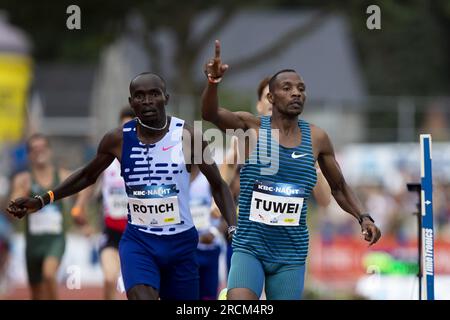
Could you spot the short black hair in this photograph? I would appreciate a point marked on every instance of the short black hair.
(36, 136)
(126, 112)
(274, 77)
(262, 84)
(147, 73)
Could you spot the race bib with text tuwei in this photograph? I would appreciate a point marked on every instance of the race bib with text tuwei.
(276, 204)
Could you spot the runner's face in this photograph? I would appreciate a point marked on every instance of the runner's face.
(289, 95)
(148, 98)
(39, 152)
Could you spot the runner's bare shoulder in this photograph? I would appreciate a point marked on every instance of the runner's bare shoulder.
(317, 133)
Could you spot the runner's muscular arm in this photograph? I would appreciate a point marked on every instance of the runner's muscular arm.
(79, 180)
(321, 191)
(84, 195)
(340, 190)
(86, 176)
(223, 118)
(220, 191)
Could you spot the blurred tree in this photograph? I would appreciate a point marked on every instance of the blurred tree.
(409, 55)
(100, 24)
(45, 23)
(179, 19)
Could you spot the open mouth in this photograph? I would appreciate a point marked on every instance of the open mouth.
(149, 113)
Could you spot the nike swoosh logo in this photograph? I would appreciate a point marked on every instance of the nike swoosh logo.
(296, 156)
(165, 149)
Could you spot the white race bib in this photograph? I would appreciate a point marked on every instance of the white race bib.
(48, 220)
(201, 215)
(153, 205)
(276, 204)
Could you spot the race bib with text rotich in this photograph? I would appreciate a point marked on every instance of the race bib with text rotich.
(276, 204)
(153, 205)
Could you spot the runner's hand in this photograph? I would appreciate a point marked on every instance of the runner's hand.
(23, 206)
(370, 232)
(214, 68)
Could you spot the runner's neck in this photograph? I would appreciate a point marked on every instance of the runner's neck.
(286, 125)
(44, 175)
(150, 136)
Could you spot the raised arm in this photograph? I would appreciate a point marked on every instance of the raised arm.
(222, 118)
(340, 190)
(79, 180)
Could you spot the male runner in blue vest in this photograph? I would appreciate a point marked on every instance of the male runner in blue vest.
(157, 249)
(271, 242)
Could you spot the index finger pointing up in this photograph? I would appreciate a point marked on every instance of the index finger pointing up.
(217, 55)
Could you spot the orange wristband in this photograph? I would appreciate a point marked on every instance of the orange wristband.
(75, 212)
(52, 196)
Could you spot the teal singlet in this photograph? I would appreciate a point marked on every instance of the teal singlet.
(275, 185)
